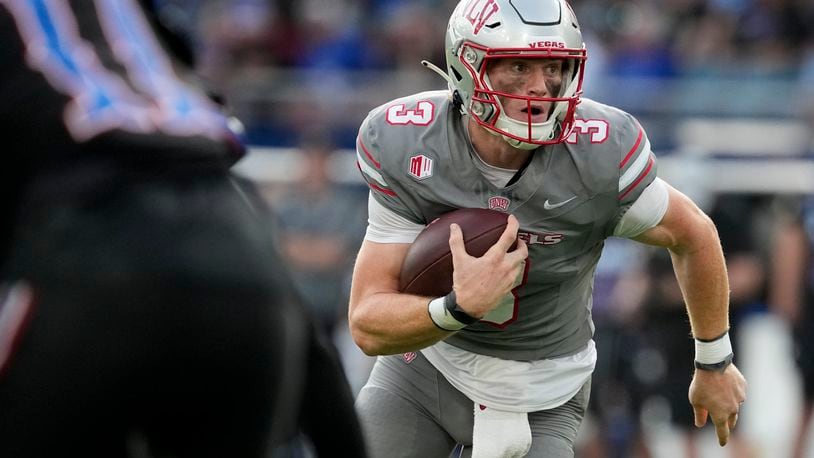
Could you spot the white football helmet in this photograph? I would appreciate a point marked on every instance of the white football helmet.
(480, 31)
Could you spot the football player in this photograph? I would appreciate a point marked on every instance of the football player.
(143, 308)
(503, 363)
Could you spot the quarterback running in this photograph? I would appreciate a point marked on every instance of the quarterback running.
(513, 133)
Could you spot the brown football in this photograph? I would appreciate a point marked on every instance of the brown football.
(427, 268)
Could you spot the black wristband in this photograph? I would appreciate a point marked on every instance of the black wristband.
(714, 338)
(716, 367)
(456, 311)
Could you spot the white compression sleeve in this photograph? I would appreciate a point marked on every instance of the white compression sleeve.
(646, 212)
(386, 226)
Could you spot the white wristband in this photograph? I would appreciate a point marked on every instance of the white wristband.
(441, 316)
(713, 352)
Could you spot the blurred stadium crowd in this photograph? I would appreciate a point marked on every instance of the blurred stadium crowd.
(292, 65)
(725, 89)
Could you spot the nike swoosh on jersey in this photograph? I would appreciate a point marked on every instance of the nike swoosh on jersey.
(549, 206)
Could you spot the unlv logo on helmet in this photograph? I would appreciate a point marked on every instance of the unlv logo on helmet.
(479, 11)
(499, 203)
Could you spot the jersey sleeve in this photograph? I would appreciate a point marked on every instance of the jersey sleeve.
(647, 212)
(637, 166)
(384, 187)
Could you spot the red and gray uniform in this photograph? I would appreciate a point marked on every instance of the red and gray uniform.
(415, 155)
(534, 352)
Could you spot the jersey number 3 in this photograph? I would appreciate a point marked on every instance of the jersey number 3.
(596, 128)
(422, 115)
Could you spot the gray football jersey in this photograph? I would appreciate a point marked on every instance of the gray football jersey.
(416, 156)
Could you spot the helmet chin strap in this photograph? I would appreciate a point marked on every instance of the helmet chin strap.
(519, 144)
(513, 142)
(514, 126)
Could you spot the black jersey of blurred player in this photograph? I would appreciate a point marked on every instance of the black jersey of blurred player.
(151, 293)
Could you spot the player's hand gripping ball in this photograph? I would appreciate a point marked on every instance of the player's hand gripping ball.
(427, 268)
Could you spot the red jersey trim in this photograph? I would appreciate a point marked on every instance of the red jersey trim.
(632, 150)
(367, 153)
(633, 185)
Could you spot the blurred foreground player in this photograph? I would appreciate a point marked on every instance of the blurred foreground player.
(143, 309)
(504, 362)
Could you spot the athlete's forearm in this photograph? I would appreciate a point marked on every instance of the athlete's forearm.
(383, 321)
(698, 261)
(701, 272)
(391, 323)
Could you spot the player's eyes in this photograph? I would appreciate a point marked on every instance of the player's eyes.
(520, 67)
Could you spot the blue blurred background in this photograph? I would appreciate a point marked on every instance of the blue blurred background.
(725, 89)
